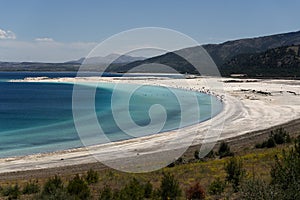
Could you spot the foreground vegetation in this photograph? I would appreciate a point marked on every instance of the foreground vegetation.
(262, 173)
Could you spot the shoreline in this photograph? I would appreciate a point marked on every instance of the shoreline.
(236, 143)
(242, 110)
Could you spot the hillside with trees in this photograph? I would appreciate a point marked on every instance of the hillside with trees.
(277, 62)
(270, 56)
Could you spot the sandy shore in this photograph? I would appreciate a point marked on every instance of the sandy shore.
(249, 106)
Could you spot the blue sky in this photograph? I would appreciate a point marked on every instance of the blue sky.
(60, 30)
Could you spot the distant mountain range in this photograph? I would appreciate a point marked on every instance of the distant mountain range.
(237, 57)
(111, 58)
(90, 64)
(268, 56)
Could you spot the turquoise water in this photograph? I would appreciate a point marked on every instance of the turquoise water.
(37, 117)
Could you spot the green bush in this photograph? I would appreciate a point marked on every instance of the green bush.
(133, 191)
(78, 188)
(54, 189)
(258, 146)
(92, 177)
(256, 189)
(117, 195)
(224, 150)
(148, 188)
(52, 186)
(196, 155)
(235, 172)
(286, 172)
(156, 194)
(169, 188)
(285, 179)
(106, 193)
(279, 136)
(270, 143)
(31, 188)
(60, 194)
(13, 192)
(216, 187)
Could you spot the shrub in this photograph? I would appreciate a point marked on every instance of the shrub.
(285, 179)
(13, 192)
(117, 195)
(285, 173)
(235, 172)
(224, 150)
(211, 154)
(31, 188)
(92, 177)
(196, 191)
(169, 188)
(297, 147)
(79, 188)
(156, 194)
(270, 143)
(196, 155)
(54, 189)
(133, 191)
(60, 194)
(106, 193)
(148, 188)
(53, 185)
(216, 187)
(256, 189)
(279, 136)
(179, 161)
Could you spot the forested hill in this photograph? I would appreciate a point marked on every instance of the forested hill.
(221, 53)
(277, 62)
(235, 53)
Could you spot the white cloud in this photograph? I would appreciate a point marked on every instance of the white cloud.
(45, 39)
(7, 34)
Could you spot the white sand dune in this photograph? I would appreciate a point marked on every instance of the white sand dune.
(248, 106)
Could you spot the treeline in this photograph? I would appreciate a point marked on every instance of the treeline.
(277, 62)
(54, 188)
(79, 187)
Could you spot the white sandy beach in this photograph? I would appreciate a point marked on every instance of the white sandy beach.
(248, 106)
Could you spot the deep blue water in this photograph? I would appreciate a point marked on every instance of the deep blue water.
(37, 117)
